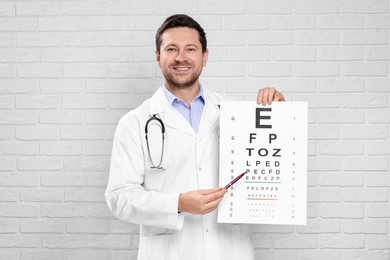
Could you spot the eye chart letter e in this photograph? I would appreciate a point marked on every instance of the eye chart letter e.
(269, 143)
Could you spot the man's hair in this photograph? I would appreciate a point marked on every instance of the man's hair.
(181, 20)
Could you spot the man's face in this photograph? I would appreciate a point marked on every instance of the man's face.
(181, 59)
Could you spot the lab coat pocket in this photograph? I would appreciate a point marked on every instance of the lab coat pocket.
(162, 247)
(154, 179)
(148, 231)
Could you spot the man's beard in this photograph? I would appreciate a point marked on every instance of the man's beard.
(181, 84)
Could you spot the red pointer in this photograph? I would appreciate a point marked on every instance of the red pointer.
(234, 181)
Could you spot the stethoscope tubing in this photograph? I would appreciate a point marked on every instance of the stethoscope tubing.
(154, 117)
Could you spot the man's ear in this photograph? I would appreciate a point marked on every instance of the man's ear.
(158, 58)
(205, 57)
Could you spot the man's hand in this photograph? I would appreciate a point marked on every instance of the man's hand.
(268, 95)
(201, 201)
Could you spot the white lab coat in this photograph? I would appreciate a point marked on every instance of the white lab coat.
(149, 197)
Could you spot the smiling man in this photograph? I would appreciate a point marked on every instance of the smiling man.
(167, 181)
(181, 58)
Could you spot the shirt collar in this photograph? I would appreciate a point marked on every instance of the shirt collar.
(172, 98)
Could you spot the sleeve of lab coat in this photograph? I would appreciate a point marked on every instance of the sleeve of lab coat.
(125, 195)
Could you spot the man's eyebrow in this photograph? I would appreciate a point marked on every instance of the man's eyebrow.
(187, 45)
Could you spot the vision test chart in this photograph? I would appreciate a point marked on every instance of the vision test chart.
(269, 143)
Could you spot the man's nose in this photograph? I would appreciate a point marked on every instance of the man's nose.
(181, 56)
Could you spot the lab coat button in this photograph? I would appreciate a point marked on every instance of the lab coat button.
(200, 169)
(206, 230)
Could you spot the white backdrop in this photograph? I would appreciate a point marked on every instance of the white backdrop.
(70, 69)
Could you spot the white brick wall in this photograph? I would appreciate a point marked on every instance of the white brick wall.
(70, 70)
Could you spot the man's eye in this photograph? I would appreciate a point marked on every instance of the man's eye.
(191, 49)
(171, 49)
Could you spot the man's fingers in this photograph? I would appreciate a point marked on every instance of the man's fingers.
(279, 97)
(200, 201)
(268, 95)
(212, 205)
(214, 196)
(271, 95)
(262, 96)
(210, 191)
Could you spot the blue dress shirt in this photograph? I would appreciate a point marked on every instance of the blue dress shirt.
(193, 112)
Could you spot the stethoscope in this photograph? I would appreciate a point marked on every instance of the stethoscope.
(161, 124)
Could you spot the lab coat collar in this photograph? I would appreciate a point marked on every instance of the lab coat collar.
(172, 118)
(210, 113)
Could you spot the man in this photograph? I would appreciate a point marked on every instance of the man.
(169, 184)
